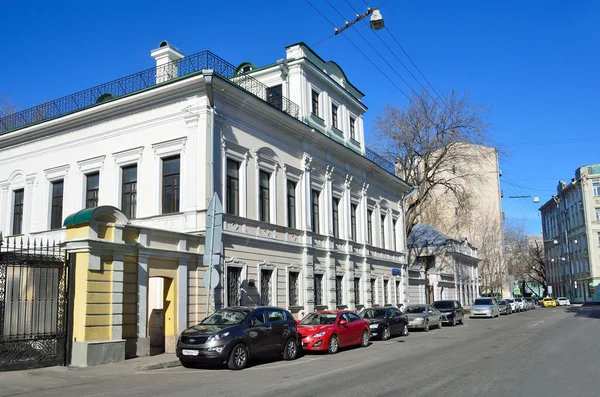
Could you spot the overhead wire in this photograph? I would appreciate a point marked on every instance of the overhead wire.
(363, 54)
(399, 60)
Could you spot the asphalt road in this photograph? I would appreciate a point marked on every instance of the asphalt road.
(545, 352)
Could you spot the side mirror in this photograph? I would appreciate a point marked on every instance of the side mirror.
(343, 322)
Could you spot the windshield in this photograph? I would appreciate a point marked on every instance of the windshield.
(443, 305)
(510, 300)
(416, 309)
(483, 301)
(373, 313)
(226, 317)
(519, 300)
(319, 319)
(502, 303)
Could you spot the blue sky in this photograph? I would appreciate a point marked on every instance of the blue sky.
(535, 63)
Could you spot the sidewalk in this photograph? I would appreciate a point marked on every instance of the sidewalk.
(36, 380)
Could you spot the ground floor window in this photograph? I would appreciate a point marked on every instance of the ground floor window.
(386, 291)
(373, 285)
(318, 289)
(357, 291)
(293, 289)
(398, 293)
(234, 286)
(339, 290)
(266, 286)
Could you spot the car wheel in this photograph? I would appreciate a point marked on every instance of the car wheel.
(453, 323)
(385, 335)
(462, 320)
(439, 323)
(426, 326)
(405, 330)
(333, 345)
(364, 340)
(238, 357)
(291, 349)
(186, 363)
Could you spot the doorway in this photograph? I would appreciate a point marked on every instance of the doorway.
(161, 314)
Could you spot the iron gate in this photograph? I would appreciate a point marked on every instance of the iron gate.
(33, 304)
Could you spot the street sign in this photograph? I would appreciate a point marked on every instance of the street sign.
(396, 272)
(517, 291)
(211, 278)
(550, 290)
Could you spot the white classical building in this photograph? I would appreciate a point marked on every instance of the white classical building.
(311, 221)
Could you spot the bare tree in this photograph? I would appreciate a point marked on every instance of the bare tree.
(428, 141)
(525, 258)
(6, 106)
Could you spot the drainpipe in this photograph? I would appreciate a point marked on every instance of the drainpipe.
(208, 77)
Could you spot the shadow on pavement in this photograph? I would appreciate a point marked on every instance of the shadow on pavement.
(589, 311)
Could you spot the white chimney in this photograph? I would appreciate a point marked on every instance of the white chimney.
(166, 57)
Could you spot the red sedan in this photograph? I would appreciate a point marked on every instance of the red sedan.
(331, 329)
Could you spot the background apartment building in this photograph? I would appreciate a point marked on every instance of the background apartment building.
(571, 230)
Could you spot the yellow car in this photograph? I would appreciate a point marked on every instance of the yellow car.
(548, 302)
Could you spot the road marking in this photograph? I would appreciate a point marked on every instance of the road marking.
(534, 324)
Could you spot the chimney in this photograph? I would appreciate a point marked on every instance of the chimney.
(166, 57)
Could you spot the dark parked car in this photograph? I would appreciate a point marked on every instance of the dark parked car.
(452, 311)
(385, 322)
(235, 334)
(505, 307)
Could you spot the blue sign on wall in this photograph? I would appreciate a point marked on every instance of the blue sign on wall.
(396, 272)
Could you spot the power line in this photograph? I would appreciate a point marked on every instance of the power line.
(364, 55)
(416, 67)
(325, 39)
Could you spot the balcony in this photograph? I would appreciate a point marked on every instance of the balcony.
(141, 81)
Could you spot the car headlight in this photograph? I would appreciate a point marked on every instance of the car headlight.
(319, 334)
(418, 320)
(374, 325)
(217, 337)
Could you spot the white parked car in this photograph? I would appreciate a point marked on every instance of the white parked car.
(513, 304)
(562, 301)
(521, 306)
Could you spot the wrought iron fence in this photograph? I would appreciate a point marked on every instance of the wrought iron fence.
(140, 81)
(33, 304)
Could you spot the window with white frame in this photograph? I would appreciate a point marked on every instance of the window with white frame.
(291, 203)
(56, 204)
(357, 291)
(339, 290)
(386, 291)
(315, 213)
(394, 242)
(369, 227)
(233, 187)
(352, 128)
(335, 210)
(17, 215)
(318, 289)
(598, 214)
(382, 230)
(92, 189)
(334, 115)
(234, 285)
(171, 181)
(373, 291)
(266, 287)
(315, 102)
(353, 221)
(398, 294)
(129, 181)
(294, 288)
(596, 188)
(264, 196)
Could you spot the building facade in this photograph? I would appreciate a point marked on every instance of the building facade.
(571, 231)
(475, 171)
(310, 221)
(450, 266)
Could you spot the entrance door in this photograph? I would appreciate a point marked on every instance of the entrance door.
(156, 315)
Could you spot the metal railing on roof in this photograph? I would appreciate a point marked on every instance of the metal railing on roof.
(381, 161)
(143, 80)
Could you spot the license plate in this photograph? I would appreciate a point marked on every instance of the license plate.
(189, 352)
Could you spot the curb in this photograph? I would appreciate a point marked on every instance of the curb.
(163, 365)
